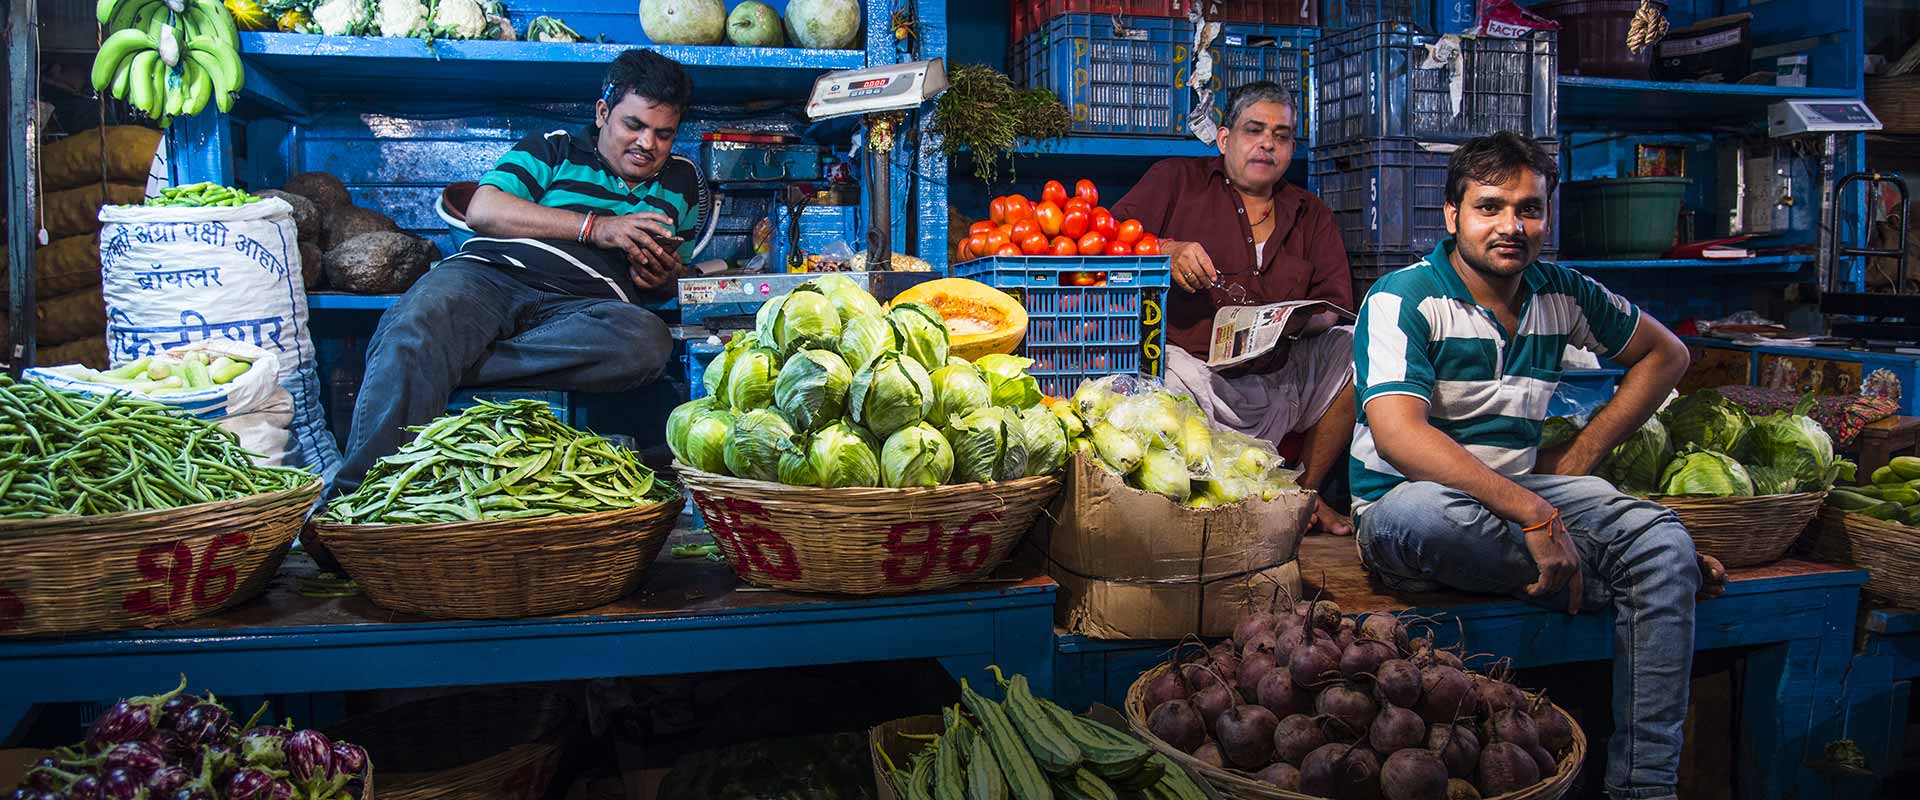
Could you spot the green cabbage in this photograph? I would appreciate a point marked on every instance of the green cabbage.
(1794, 444)
(1557, 431)
(1007, 376)
(1708, 421)
(796, 467)
(706, 441)
(1046, 439)
(923, 333)
(842, 456)
(801, 319)
(916, 455)
(759, 437)
(988, 445)
(1706, 473)
(681, 420)
(864, 339)
(1164, 472)
(812, 388)
(1772, 480)
(958, 389)
(715, 378)
(891, 393)
(1118, 448)
(750, 379)
(849, 299)
(956, 361)
(1638, 465)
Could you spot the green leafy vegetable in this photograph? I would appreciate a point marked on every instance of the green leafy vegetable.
(958, 390)
(842, 456)
(1705, 473)
(1638, 465)
(1007, 377)
(812, 388)
(891, 393)
(923, 333)
(916, 455)
(988, 445)
(759, 437)
(1708, 421)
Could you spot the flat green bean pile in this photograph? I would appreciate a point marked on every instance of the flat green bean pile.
(498, 461)
(70, 453)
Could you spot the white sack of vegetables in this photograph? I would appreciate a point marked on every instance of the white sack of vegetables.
(231, 384)
(1162, 443)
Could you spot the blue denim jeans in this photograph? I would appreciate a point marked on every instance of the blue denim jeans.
(1635, 558)
(467, 324)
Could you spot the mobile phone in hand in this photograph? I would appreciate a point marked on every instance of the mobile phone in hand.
(670, 244)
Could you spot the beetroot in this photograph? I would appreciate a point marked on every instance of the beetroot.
(1397, 682)
(1297, 736)
(1198, 675)
(1166, 687)
(1447, 658)
(1209, 753)
(1556, 734)
(1178, 723)
(1506, 767)
(1315, 665)
(1213, 701)
(1458, 789)
(1446, 694)
(1252, 669)
(1349, 711)
(1325, 615)
(1277, 692)
(1303, 610)
(1413, 775)
(1360, 660)
(1396, 729)
(1457, 748)
(1227, 663)
(1544, 760)
(1345, 639)
(1263, 642)
(1256, 623)
(1496, 696)
(1280, 774)
(1246, 736)
(1383, 627)
(1295, 638)
(1511, 725)
(1340, 771)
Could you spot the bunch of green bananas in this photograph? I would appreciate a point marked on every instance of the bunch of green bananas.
(168, 57)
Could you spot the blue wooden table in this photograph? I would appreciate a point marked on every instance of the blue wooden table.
(690, 616)
(1880, 687)
(1795, 617)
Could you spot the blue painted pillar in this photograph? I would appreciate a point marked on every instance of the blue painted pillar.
(201, 148)
(930, 201)
(23, 139)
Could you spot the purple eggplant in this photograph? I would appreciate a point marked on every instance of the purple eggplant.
(22, 793)
(264, 747)
(271, 731)
(309, 756)
(139, 758)
(167, 781)
(120, 783)
(169, 742)
(356, 788)
(171, 710)
(210, 760)
(349, 759)
(49, 794)
(280, 790)
(204, 724)
(249, 784)
(45, 778)
(193, 793)
(128, 720)
(86, 787)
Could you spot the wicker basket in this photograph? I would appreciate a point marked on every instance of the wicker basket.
(143, 569)
(494, 744)
(863, 540)
(1232, 784)
(506, 568)
(1888, 551)
(1746, 531)
(1896, 101)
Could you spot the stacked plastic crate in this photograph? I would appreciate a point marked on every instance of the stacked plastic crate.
(1394, 102)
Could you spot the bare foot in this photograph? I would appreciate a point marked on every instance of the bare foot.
(1328, 521)
(1713, 576)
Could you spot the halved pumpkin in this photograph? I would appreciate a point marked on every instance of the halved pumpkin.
(980, 319)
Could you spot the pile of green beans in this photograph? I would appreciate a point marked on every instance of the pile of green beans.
(498, 461)
(197, 195)
(70, 453)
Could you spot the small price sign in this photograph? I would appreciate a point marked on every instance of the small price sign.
(914, 549)
(740, 527)
(187, 579)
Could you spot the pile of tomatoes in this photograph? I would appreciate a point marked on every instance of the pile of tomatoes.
(1058, 225)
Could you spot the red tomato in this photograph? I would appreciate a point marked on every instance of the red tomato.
(1054, 192)
(1083, 189)
(1104, 222)
(1078, 203)
(1018, 208)
(1149, 245)
(980, 228)
(1119, 248)
(964, 250)
(997, 210)
(1063, 246)
(1048, 215)
(1034, 245)
(996, 240)
(1007, 250)
(1093, 244)
(1130, 231)
(1023, 229)
(1075, 223)
(978, 245)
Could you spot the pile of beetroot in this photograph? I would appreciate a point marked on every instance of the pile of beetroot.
(1311, 702)
(178, 746)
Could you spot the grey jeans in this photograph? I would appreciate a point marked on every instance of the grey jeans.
(1636, 558)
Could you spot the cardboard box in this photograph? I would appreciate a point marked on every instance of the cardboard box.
(886, 737)
(1136, 565)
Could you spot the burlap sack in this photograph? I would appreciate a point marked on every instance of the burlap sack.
(76, 160)
(72, 317)
(76, 212)
(91, 351)
(63, 267)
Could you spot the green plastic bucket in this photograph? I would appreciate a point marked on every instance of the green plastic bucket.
(1620, 218)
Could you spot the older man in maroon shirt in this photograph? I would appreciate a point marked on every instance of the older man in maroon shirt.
(1238, 234)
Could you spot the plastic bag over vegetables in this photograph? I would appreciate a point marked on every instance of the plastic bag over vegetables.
(1162, 442)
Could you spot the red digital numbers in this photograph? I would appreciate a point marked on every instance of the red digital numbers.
(185, 578)
(736, 526)
(915, 548)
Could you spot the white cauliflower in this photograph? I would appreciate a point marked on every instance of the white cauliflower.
(405, 18)
(460, 19)
(343, 17)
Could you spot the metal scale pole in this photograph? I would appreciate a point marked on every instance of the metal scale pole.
(880, 141)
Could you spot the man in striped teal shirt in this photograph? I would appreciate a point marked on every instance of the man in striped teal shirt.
(1455, 360)
(571, 230)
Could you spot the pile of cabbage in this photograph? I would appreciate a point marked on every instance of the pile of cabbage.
(1705, 445)
(1161, 442)
(832, 390)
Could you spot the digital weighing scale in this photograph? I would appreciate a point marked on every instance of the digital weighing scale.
(1798, 117)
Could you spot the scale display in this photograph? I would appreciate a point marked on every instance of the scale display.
(888, 87)
(1796, 117)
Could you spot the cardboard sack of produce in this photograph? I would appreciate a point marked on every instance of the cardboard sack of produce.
(231, 384)
(1204, 524)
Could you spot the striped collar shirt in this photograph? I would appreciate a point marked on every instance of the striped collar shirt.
(1421, 333)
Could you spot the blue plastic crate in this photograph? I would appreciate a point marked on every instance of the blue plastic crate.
(1115, 324)
(1388, 196)
(1341, 15)
(1374, 83)
(1116, 75)
(1246, 53)
(699, 355)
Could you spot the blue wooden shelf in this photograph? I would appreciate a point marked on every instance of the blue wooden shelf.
(350, 302)
(1615, 103)
(285, 69)
(1787, 263)
(1115, 147)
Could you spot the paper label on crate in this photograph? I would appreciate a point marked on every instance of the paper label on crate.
(1119, 278)
(1699, 44)
(697, 292)
(1243, 333)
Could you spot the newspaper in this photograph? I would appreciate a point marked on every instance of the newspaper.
(1243, 333)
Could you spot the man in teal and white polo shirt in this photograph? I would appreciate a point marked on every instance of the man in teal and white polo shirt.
(1455, 359)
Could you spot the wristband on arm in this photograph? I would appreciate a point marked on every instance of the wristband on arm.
(1551, 518)
(586, 229)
